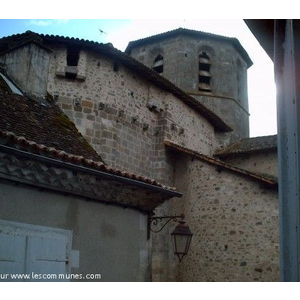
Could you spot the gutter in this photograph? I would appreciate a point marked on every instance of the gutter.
(100, 174)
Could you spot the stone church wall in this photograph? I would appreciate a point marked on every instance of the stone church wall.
(264, 163)
(185, 50)
(228, 97)
(235, 224)
(125, 117)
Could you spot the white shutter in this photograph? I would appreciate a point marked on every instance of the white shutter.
(12, 257)
(35, 253)
(46, 257)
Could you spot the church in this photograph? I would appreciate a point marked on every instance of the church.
(94, 142)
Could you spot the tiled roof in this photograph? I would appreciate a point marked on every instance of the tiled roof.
(21, 143)
(249, 145)
(7, 43)
(18, 40)
(46, 130)
(263, 179)
(42, 128)
(43, 123)
(195, 33)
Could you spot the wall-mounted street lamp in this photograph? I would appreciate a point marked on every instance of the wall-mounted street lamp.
(181, 235)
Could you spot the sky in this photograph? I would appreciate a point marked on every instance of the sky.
(119, 32)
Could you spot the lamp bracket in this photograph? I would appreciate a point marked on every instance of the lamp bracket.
(155, 221)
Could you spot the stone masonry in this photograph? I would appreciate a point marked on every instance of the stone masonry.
(124, 117)
(235, 225)
(228, 97)
(263, 163)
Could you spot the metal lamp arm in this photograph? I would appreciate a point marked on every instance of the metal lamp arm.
(154, 221)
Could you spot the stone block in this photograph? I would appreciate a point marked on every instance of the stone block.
(90, 132)
(87, 104)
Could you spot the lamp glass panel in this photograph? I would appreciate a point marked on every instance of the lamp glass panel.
(180, 243)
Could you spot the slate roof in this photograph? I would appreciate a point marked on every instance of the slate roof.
(249, 145)
(194, 33)
(10, 42)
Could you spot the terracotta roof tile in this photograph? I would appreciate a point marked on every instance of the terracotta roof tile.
(75, 159)
(44, 125)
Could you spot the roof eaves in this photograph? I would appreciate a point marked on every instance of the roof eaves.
(255, 145)
(270, 182)
(68, 159)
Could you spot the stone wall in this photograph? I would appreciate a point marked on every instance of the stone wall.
(232, 113)
(235, 224)
(264, 163)
(125, 117)
(229, 93)
(226, 63)
(28, 67)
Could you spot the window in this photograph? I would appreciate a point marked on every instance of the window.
(158, 65)
(72, 61)
(73, 56)
(204, 73)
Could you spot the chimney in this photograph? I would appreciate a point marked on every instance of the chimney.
(27, 63)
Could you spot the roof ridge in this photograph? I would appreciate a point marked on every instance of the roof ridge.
(234, 40)
(183, 29)
(239, 145)
(33, 33)
(18, 40)
(260, 137)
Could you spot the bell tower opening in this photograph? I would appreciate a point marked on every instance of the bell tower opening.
(158, 65)
(204, 73)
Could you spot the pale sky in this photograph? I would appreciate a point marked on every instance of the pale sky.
(261, 88)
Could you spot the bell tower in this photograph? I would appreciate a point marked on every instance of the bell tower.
(211, 68)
